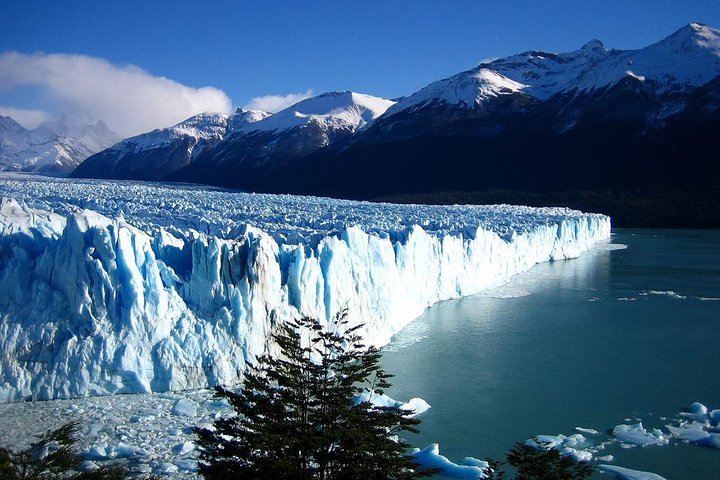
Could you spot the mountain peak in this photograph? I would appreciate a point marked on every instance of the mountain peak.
(347, 107)
(242, 118)
(8, 123)
(695, 35)
(466, 89)
(593, 44)
(701, 29)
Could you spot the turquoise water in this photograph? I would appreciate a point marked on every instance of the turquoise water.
(588, 342)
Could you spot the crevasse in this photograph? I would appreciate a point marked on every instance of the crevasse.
(92, 305)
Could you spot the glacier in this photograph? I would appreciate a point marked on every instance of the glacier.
(111, 287)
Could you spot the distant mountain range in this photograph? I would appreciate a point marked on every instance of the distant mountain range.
(53, 147)
(589, 120)
(247, 145)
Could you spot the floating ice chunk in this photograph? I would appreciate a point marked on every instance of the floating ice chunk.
(637, 435)
(698, 408)
(667, 293)
(430, 457)
(605, 458)
(573, 446)
(185, 408)
(697, 412)
(696, 433)
(546, 441)
(472, 461)
(714, 416)
(589, 431)
(416, 405)
(627, 474)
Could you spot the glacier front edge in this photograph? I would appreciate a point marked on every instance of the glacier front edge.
(104, 301)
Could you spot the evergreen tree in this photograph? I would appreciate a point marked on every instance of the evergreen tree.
(297, 417)
(543, 463)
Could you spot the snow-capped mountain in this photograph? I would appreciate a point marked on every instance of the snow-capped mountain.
(332, 110)
(209, 147)
(53, 147)
(153, 155)
(471, 89)
(243, 118)
(688, 58)
(593, 118)
(254, 150)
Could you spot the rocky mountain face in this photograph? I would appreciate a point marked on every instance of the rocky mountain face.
(217, 148)
(157, 154)
(591, 119)
(53, 147)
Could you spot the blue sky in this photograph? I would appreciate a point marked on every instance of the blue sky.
(253, 49)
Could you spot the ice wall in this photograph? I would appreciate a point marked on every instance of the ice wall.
(94, 305)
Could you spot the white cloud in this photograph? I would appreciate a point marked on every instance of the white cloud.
(129, 99)
(487, 60)
(26, 117)
(275, 103)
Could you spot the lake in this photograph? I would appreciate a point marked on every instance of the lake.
(616, 336)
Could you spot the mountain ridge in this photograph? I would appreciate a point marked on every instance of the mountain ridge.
(53, 147)
(593, 119)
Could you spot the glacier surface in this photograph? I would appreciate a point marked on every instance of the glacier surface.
(116, 287)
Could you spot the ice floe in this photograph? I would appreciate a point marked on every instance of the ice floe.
(628, 474)
(469, 468)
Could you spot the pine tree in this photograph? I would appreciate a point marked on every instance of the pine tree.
(545, 463)
(539, 462)
(297, 417)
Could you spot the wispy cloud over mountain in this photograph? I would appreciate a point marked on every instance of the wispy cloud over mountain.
(275, 103)
(27, 117)
(129, 99)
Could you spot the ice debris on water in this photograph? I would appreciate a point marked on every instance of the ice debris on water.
(469, 468)
(637, 435)
(622, 473)
(415, 405)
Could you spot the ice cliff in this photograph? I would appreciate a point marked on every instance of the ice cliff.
(112, 287)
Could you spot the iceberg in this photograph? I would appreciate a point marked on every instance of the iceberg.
(415, 406)
(628, 474)
(430, 458)
(138, 288)
(637, 435)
